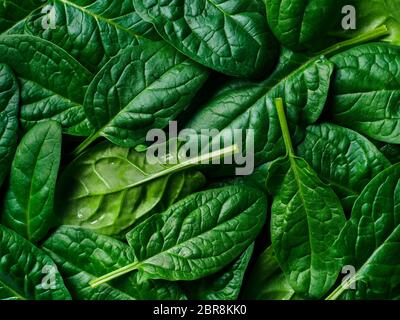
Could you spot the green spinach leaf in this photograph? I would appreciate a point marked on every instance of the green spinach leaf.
(366, 91)
(306, 220)
(9, 105)
(28, 205)
(229, 36)
(109, 188)
(56, 92)
(250, 106)
(266, 280)
(224, 285)
(343, 159)
(26, 272)
(372, 240)
(371, 14)
(299, 24)
(108, 27)
(196, 236)
(144, 87)
(13, 12)
(83, 255)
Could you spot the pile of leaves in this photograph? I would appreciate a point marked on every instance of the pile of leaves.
(85, 215)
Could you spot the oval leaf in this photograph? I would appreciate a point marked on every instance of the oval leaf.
(28, 205)
(142, 88)
(109, 188)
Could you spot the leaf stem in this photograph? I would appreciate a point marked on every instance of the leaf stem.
(365, 37)
(86, 143)
(284, 127)
(341, 288)
(114, 274)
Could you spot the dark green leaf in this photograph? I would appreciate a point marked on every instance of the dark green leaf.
(53, 84)
(229, 36)
(82, 255)
(372, 239)
(14, 12)
(266, 280)
(105, 28)
(251, 107)
(29, 200)
(343, 159)
(27, 273)
(9, 105)
(372, 14)
(366, 91)
(144, 87)
(224, 285)
(195, 237)
(300, 24)
(306, 219)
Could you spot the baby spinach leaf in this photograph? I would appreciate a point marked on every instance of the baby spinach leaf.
(196, 236)
(142, 88)
(107, 27)
(83, 255)
(343, 159)
(306, 219)
(366, 91)
(109, 188)
(224, 285)
(266, 280)
(372, 240)
(9, 104)
(229, 36)
(28, 205)
(56, 92)
(23, 271)
(250, 106)
(299, 24)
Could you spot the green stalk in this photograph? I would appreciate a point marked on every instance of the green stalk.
(341, 288)
(115, 274)
(366, 37)
(86, 143)
(284, 127)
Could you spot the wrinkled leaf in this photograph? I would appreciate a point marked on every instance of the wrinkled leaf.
(53, 84)
(306, 220)
(82, 255)
(28, 207)
(229, 36)
(9, 105)
(105, 28)
(144, 87)
(343, 159)
(196, 236)
(366, 91)
(23, 271)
